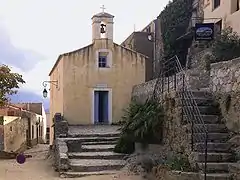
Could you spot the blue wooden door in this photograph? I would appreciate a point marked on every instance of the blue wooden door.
(96, 106)
(105, 107)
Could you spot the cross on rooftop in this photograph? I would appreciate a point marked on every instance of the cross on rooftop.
(103, 8)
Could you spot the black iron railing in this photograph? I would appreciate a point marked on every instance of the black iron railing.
(173, 77)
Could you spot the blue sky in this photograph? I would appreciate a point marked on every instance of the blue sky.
(34, 32)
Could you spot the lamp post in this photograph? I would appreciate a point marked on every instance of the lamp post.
(45, 92)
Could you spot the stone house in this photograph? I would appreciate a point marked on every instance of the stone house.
(94, 83)
(39, 110)
(148, 42)
(223, 12)
(138, 41)
(20, 128)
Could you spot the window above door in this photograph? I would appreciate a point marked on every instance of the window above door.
(104, 59)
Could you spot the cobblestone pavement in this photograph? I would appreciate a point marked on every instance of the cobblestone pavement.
(101, 129)
(39, 168)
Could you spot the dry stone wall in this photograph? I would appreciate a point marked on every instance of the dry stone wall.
(225, 84)
(223, 80)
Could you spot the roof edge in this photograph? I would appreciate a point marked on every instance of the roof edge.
(65, 54)
(133, 51)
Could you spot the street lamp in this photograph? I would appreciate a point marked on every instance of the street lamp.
(150, 37)
(45, 92)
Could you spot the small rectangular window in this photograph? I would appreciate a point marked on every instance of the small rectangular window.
(235, 6)
(102, 61)
(219, 26)
(216, 3)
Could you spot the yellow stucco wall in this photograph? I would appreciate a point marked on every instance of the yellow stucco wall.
(56, 94)
(78, 75)
(226, 11)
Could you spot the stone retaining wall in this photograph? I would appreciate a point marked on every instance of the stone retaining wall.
(175, 139)
(60, 144)
(225, 84)
(60, 155)
(142, 92)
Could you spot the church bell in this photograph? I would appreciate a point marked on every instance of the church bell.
(103, 28)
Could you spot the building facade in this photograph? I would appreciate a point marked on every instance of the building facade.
(40, 115)
(148, 41)
(224, 13)
(138, 41)
(94, 83)
(48, 127)
(20, 128)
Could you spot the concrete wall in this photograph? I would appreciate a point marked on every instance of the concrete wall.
(225, 83)
(226, 11)
(78, 75)
(14, 133)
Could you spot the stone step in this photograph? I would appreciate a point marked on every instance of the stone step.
(212, 137)
(95, 155)
(196, 94)
(208, 119)
(100, 143)
(213, 167)
(212, 147)
(90, 139)
(196, 101)
(84, 174)
(117, 134)
(203, 110)
(214, 157)
(97, 148)
(93, 165)
(217, 176)
(211, 128)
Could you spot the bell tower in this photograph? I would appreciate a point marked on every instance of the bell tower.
(102, 25)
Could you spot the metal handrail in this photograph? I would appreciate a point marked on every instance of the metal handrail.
(172, 69)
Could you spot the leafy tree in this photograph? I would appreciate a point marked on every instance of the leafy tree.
(9, 83)
(175, 20)
(226, 45)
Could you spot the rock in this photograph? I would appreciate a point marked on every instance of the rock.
(234, 169)
(192, 160)
(141, 164)
(235, 141)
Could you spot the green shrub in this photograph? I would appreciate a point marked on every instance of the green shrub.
(175, 20)
(178, 162)
(226, 45)
(125, 145)
(1, 120)
(144, 121)
(141, 123)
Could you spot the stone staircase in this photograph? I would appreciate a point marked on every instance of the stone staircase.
(219, 156)
(92, 153)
